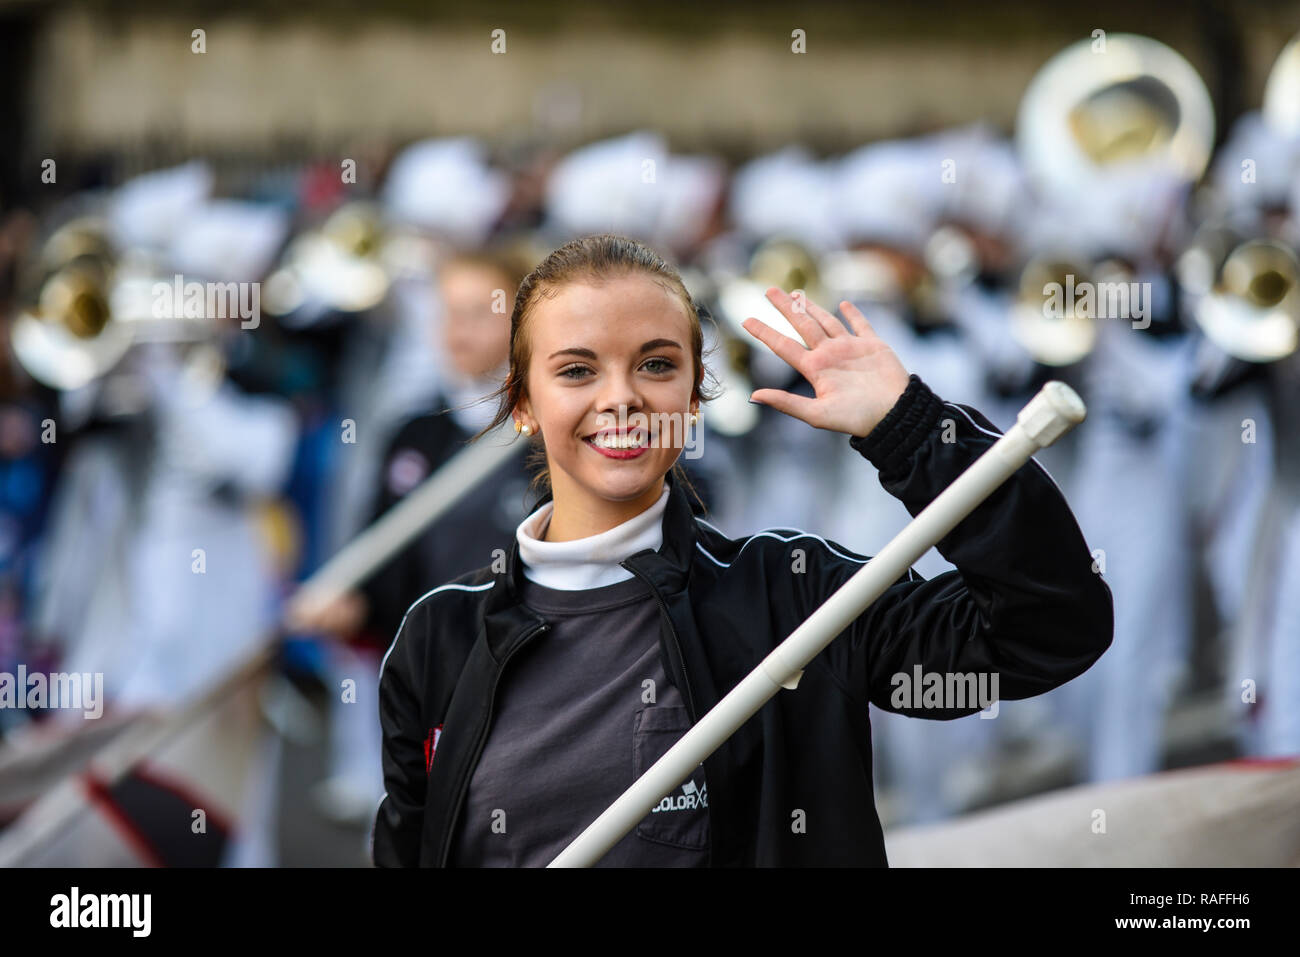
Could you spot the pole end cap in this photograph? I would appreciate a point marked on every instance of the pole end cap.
(1055, 410)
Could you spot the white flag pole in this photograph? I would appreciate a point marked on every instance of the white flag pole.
(1050, 414)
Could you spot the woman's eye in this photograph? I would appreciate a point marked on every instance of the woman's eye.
(657, 366)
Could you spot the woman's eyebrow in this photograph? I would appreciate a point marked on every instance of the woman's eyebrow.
(588, 354)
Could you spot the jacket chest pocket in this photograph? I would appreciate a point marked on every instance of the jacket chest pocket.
(681, 819)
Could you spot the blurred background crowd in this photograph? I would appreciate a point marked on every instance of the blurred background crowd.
(374, 188)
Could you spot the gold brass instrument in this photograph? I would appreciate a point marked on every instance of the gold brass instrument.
(1090, 114)
(92, 305)
(349, 263)
(1046, 318)
(778, 261)
(66, 338)
(1092, 123)
(1241, 285)
(1245, 293)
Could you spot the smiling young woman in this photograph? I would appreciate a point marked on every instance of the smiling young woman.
(521, 699)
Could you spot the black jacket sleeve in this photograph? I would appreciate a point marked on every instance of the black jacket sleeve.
(400, 818)
(1024, 603)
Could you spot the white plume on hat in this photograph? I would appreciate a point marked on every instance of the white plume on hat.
(690, 187)
(1128, 216)
(447, 186)
(987, 188)
(612, 186)
(228, 240)
(148, 211)
(787, 193)
(889, 192)
(1275, 160)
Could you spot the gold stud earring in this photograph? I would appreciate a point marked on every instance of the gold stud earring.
(518, 425)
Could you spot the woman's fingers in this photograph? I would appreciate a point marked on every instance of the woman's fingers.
(830, 323)
(857, 320)
(800, 311)
(799, 406)
(803, 314)
(785, 347)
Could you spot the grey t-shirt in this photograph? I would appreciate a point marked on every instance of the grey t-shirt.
(581, 712)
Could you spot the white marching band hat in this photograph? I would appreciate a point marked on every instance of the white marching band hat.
(889, 192)
(150, 211)
(446, 186)
(611, 186)
(788, 193)
(1258, 166)
(986, 188)
(691, 188)
(632, 185)
(229, 240)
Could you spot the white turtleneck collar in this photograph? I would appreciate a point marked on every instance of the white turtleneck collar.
(589, 562)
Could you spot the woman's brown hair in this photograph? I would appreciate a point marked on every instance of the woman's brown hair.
(593, 260)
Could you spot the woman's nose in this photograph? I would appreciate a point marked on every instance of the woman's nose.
(619, 392)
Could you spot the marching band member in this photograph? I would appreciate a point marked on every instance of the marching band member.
(190, 585)
(1111, 162)
(446, 191)
(517, 704)
(1245, 388)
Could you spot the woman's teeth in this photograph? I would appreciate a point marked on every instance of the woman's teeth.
(609, 441)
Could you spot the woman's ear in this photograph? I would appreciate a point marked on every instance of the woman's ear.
(522, 415)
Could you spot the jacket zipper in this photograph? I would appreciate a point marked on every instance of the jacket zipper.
(478, 747)
(672, 634)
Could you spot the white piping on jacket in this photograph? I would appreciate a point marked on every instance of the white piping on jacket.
(417, 601)
(766, 533)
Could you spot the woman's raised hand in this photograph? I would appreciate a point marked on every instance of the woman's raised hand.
(856, 376)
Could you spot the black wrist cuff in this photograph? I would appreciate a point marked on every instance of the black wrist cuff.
(912, 420)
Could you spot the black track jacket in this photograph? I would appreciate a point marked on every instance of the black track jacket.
(793, 786)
